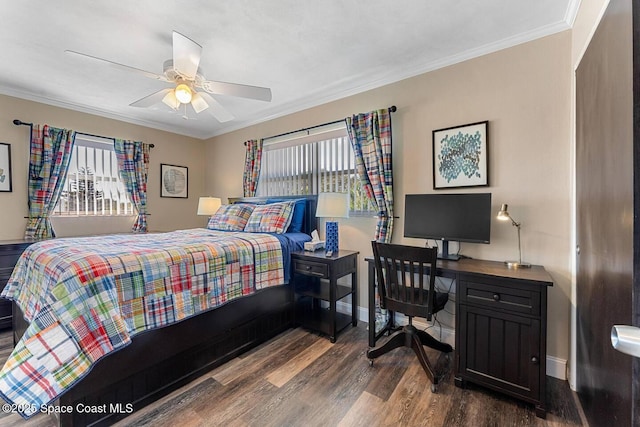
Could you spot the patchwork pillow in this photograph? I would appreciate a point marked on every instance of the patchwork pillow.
(231, 217)
(297, 218)
(270, 218)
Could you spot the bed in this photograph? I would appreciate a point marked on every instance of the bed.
(162, 353)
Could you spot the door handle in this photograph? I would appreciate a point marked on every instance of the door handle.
(626, 339)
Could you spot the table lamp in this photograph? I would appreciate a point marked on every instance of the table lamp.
(208, 205)
(504, 215)
(332, 205)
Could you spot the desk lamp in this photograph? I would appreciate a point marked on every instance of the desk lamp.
(332, 205)
(208, 205)
(503, 215)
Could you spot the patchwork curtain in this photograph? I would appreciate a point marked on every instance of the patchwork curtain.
(50, 155)
(133, 168)
(252, 161)
(370, 136)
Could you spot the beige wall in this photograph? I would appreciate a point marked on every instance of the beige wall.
(525, 93)
(166, 214)
(584, 26)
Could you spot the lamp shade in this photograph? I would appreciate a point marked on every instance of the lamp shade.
(503, 215)
(171, 100)
(333, 205)
(208, 205)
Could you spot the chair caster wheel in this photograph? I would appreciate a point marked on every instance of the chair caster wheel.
(434, 388)
(370, 362)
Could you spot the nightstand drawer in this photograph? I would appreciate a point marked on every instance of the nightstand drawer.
(525, 299)
(311, 268)
(8, 259)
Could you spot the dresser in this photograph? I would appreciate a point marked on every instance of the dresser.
(10, 251)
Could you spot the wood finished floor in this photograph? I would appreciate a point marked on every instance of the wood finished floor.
(301, 379)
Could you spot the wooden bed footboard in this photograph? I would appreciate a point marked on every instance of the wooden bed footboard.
(162, 360)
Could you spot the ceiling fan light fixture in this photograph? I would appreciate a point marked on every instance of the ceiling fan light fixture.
(183, 93)
(198, 103)
(171, 100)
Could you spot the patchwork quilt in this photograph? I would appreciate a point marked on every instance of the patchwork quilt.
(87, 297)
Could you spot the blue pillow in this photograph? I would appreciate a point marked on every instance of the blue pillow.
(297, 218)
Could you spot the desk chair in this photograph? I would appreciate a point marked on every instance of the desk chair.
(403, 290)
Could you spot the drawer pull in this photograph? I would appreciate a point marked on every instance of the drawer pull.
(534, 359)
(307, 267)
(496, 297)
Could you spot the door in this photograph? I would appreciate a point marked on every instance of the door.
(606, 197)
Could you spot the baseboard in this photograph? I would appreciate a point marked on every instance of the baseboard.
(556, 367)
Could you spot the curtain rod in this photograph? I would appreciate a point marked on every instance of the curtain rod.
(21, 123)
(392, 109)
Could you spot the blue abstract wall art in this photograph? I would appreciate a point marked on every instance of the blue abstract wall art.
(460, 156)
(460, 153)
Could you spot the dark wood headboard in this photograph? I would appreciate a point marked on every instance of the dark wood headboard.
(310, 222)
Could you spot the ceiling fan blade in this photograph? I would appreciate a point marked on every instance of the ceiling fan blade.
(215, 109)
(186, 55)
(118, 66)
(152, 99)
(234, 89)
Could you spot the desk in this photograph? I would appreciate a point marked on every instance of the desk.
(501, 326)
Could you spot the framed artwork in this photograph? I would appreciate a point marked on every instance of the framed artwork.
(460, 156)
(5, 167)
(174, 181)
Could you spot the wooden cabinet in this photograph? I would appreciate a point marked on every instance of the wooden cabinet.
(10, 251)
(501, 338)
(315, 278)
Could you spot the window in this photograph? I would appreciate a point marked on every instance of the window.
(93, 186)
(311, 163)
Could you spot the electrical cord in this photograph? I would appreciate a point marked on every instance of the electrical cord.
(435, 320)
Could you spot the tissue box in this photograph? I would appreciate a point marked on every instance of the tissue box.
(313, 245)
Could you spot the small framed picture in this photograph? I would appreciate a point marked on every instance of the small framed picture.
(174, 181)
(5, 167)
(460, 156)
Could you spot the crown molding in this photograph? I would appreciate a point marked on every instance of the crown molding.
(397, 74)
(322, 96)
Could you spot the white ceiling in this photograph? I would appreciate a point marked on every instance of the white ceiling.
(307, 52)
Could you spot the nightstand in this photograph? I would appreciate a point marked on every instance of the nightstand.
(10, 251)
(315, 280)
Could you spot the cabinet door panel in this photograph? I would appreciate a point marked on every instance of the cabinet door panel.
(500, 350)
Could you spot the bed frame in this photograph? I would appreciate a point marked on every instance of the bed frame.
(160, 361)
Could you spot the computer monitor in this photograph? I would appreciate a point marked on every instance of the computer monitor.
(461, 217)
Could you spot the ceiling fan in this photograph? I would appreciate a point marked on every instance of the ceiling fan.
(188, 83)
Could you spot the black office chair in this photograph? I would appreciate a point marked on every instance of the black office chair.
(401, 272)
